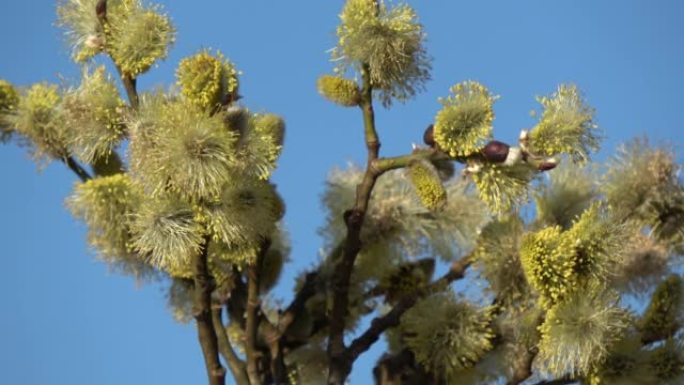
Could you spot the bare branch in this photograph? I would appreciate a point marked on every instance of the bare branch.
(559, 381)
(82, 174)
(205, 326)
(252, 317)
(235, 364)
(338, 368)
(391, 319)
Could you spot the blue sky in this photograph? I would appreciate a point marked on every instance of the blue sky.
(67, 320)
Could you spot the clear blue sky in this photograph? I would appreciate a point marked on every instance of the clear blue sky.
(66, 320)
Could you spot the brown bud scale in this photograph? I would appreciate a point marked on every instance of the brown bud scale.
(101, 9)
(428, 136)
(546, 166)
(495, 151)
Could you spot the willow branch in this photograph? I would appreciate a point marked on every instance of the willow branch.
(272, 336)
(296, 307)
(559, 381)
(380, 324)
(205, 325)
(338, 370)
(252, 318)
(523, 367)
(523, 370)
(82, 174)
(390, 369)
(235, 364)
(130, 84)
(392, 163)
(311, 282)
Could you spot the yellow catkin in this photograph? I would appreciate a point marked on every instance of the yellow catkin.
(207, 80)
(465, 119)
(427, 184)
(339, 90)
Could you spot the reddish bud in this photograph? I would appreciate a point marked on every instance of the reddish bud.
(495, 151)
(101, 9)
(547, 165)
(428, 136)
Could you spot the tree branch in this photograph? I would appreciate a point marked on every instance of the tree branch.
(130, 85)
(252, 317)
(559, 381)
(272, 336)
(391, 319)
(235, 364)
(205, 326)
(523, 370)
(338, 368)
(523, 367)
(82, 174)
(401, 368)
(290, 314)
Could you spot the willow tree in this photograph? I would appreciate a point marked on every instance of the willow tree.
(554, 252)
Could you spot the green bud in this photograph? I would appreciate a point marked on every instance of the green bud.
(138, 38)
(339, 90)
(107, 205)
(566, 126)
(667, 362)
(241, 219)
(465, 120)
(427, 184)
(665, 313)
(37, 118)
(9, 97)
(83, 25)
(407, 278)
(447, 335)
(207, 80)
(503, 187)
(547, 262)
(271, 126)
(388, 42)
(260, 144)
(595, 244)
(580, 331)
(92, 114)
(167, 231)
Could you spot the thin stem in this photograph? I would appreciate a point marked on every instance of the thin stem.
(235, 364)
(391, 319)
(366, 104)
(252, 319)
(130, 84)
(82, 174)
(205, 326)
(559, 381)
(523, 367)
(297, 306)
(278, 368)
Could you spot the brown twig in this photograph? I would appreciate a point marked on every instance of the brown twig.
(523, 367)
(235, 364)
(391, 319)
(253, 316)
(202, 312)
(338, 368)
(82, 174)
(559, 381)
